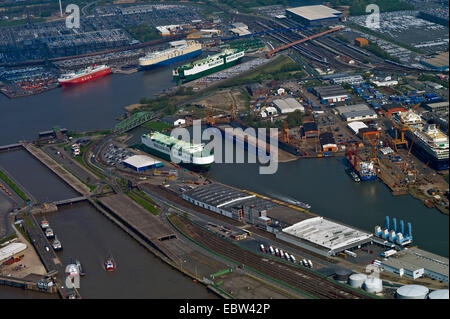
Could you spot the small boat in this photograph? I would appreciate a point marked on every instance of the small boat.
(72, 270)
(44, 224)
(80, 268)
(56, 244)
(49, 233)
(109, 264)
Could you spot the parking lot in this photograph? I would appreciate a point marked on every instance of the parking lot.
(114, 155)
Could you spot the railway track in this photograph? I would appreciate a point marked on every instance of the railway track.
(313, 285)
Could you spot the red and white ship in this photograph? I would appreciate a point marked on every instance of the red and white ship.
(87, 74)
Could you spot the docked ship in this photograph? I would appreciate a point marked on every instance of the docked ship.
(208, 65)
(56, 244)
(364, 170)
(84, 75)
(187, 154)
(49, 233)
(428, 142)
(179, 51)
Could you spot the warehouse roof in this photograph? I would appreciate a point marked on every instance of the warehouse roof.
(288, 105)
(356, 126)
(140, 161)
(11, 249)
(352, 108)
(332, 90)
(287, 215)
(414, 258)
(356, 114)
(326, 233)
(317, 12)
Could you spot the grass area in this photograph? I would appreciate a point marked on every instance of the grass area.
(11, 23)
(281, 68)
(143, 32)
(23, 232)
(432, 78)
(157, 126)
(143, 202)
(13, 186)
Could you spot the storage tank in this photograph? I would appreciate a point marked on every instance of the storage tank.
(373, 285)
(342, 275)
(412, 292)
(357, 280)
(439, 294)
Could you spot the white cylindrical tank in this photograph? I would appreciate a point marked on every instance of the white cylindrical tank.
(357, 280)
(412, 292)
(373, 285)
(439, 294)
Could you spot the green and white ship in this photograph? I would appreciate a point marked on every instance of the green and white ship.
(208, 65)
(187, 154)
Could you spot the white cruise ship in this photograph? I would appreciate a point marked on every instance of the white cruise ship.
(429, 143)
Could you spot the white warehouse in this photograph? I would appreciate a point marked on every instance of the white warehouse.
(323, 236)
(288, 105)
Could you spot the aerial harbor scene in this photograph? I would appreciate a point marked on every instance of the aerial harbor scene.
(224, 150)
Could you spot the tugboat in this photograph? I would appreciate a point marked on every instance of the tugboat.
(109, 264)
(49, 233)
(56, 244)
(80, 268)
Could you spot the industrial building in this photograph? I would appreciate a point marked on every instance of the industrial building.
(173, 120)
(257, 89)
(356, 126)
(314, 15)
(392, 109)
(329, 94)
(288, 105)
(327, 142)
(437, 107)
(309, 129)
(387, 81)
(243, 206)
(361, 42)
(323, 236)
(240, 29)
(439, 62)
(415, 263)
(357, 112)
(230, 202)
(141, 163)
(349, 79)
(10, 250)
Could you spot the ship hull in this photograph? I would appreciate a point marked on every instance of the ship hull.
(419, 151)
(171, 61)
(426, 158)
(193, 167)
(362, 177)
(85, 78)
(192, 77)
